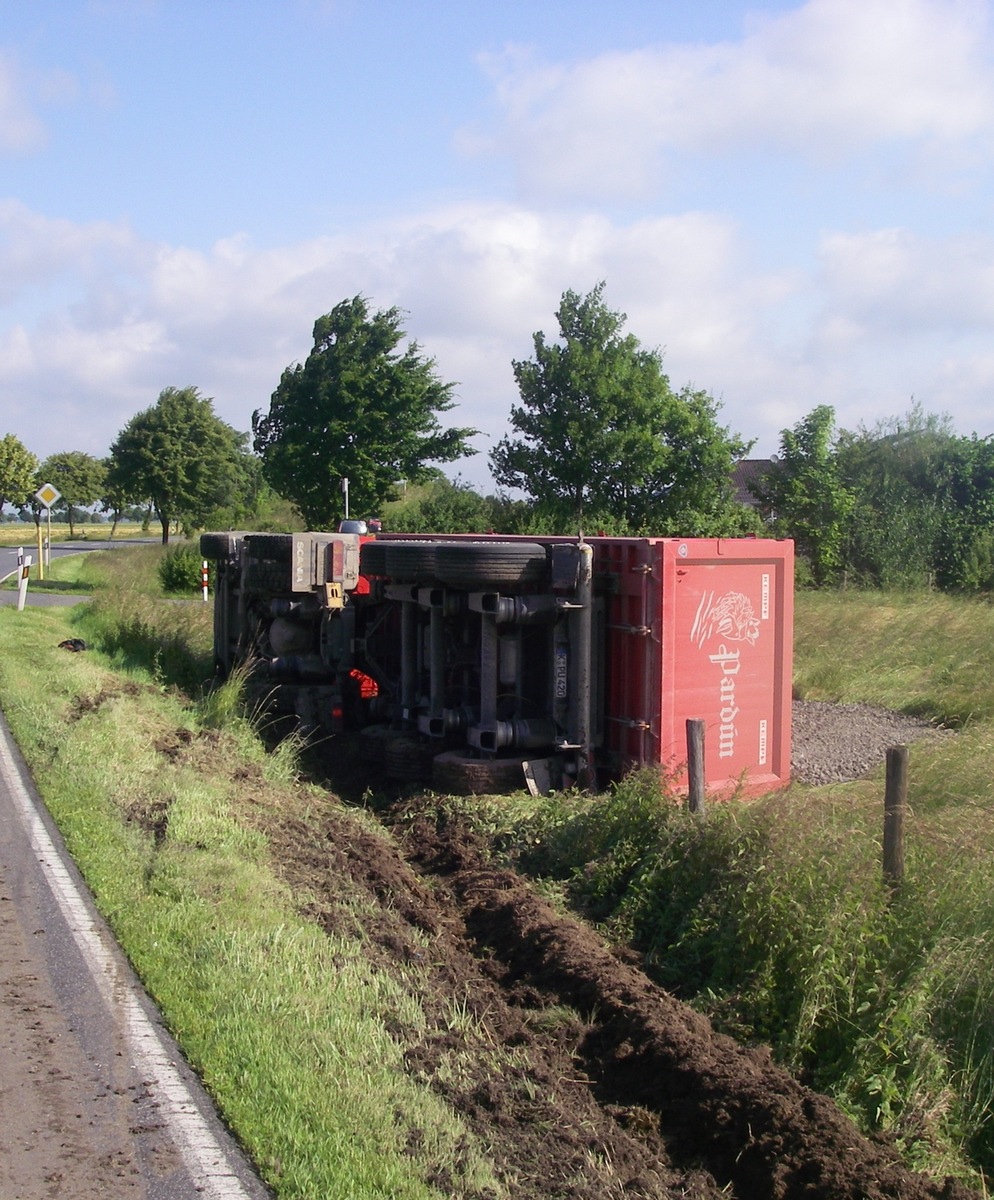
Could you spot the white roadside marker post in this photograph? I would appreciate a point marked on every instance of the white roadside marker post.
(22, 583)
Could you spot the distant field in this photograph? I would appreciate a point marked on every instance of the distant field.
(27, 535)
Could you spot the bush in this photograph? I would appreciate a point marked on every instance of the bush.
(180, 569)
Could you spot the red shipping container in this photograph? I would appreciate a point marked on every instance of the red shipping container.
(699, 628)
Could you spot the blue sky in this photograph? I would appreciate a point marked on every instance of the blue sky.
(792, 200)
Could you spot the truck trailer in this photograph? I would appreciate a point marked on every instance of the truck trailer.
(483, 663)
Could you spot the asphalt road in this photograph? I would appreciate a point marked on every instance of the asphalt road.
(96, 1102)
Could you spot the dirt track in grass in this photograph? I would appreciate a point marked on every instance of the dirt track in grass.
(581, 1077)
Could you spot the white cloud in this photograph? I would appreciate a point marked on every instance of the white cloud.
(474, 283)
(37, 251)
(824, 82)
(98, 321)
(893, 283)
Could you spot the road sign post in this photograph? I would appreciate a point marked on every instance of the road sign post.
(46, 495)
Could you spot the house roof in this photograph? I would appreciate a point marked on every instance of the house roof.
(743, 473)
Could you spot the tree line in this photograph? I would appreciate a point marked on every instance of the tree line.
(176, 461)
(599, 441)
(903, 503)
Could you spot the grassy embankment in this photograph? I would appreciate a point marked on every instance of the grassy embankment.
(772, 916)
(288, 1027)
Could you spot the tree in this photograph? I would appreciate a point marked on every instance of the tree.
(900, 473)
(805, 493)
(179, 457)
(442, 505)
(964, 553)
(17, 471)
(358, 409)
(606, 440)
(78, 476)
(115, 499)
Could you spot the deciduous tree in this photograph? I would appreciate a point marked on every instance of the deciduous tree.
(900, 472)
(181, 457)
(804, 491)
(604, 439)
(360, 409)
(17, 471)
(78, 476)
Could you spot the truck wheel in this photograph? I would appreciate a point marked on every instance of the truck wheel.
(373, 740)
(274, 547)
(220, 545)
(267, 578)
(407, 760)
(222, 644)
(472, 564)
(373, 558)
(457, 774)
(411, 562)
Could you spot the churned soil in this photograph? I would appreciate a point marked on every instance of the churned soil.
(581, 1076)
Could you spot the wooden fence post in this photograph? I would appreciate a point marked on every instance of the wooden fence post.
(695, 766)
(895, 800)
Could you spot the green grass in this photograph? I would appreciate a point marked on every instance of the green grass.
(922, 653)
(291, 1029)
(64, 574)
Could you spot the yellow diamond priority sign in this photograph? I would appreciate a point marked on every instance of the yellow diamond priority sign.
(47, 494)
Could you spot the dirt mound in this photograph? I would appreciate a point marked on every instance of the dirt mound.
(582, 1077)
(717, 1103)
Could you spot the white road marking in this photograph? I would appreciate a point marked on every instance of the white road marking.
(206, 1160)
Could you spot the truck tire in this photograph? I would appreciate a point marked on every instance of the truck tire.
(220, 545)
(373, 558)
(478, 564)
(407, 760)
(267, 578)
(411, 562)
(455, 773)
(273, 547)
(373, 740)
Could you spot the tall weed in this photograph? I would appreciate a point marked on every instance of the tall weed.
(180, 569)
(172, 643)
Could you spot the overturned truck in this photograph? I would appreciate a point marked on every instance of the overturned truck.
(486, 663)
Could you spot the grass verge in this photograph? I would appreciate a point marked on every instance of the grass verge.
(288, 1026)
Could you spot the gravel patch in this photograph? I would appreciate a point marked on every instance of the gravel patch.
(833, 743)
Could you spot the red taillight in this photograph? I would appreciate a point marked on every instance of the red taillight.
(368, 687)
